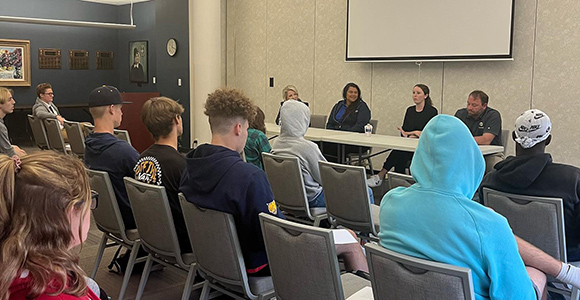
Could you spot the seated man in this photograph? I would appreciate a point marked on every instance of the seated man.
(105, 152)
(531, 172)
(217, 178)
(484, 123)
(44, 107)
(161, 164)
(435, 219)
(7, 107)
(295, 118)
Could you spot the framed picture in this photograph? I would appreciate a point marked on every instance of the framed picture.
(14, 62)
(138, 58)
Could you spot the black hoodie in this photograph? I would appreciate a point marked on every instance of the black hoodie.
(217, 178)
(536, 175)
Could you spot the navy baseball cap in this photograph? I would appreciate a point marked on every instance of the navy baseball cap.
(105, 95)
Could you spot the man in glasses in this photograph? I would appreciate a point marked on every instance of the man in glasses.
(44, 107)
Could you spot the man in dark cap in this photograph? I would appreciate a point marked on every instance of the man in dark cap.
(105, 152)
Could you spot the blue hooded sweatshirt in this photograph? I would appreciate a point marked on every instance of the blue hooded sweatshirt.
(435, 219)
(217, 178)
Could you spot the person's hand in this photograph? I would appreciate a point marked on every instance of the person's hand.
(403, 133)
(60, 119)
(18, 151)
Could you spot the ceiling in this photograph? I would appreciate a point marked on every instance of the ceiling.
(115, 2)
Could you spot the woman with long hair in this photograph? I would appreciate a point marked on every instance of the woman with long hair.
(44, 212)
(416, 117)
(257, 141)
(351, 113)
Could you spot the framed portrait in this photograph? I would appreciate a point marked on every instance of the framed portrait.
(14, 62)
(138, 62)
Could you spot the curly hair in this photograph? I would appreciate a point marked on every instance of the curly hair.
(226, 106)
(158, 114)
(35, 229)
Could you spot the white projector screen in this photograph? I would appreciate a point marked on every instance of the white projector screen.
(422, 30)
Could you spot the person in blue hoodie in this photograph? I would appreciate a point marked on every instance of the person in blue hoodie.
(105, 152)
(217, 178)
(435, 219)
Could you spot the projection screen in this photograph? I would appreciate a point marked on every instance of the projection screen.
(423, 30)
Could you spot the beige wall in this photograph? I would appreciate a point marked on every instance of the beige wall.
(302, 42)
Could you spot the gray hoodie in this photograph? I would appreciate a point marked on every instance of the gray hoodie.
(294, 120)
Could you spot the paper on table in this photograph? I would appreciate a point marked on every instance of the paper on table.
(342, 236)
(365, 293)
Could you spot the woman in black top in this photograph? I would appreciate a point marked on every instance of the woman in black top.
(351, 113)
(416, 117)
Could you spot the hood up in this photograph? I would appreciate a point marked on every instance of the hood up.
(294, 119)
(447, 158)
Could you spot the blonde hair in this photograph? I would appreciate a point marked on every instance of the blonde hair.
(5, 94)
(158, 114)
(288, 88)
(225, 106)
(35, 230)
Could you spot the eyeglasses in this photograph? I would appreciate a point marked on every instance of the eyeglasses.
(94, 199)
(50, 94)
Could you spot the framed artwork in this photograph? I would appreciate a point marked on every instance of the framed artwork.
(14, 62)
(138, 58)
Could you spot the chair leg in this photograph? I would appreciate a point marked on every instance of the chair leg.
(100, 253)
(188, 282)
(144, 277)
(129, 269)
(205, 291)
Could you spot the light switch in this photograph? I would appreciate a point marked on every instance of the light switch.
(154, 79)
(178, 81)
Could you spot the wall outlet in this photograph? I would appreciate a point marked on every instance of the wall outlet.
(154, 79)
(178, 81)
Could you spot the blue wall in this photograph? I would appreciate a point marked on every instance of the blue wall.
(156, 22)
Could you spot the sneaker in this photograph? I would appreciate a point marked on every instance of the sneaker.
(374, 181)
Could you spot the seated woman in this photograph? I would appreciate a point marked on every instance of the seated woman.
(295, 118)
(257, 141)
(351, 113)
(44, 212)
(416, 117)
(289, 92)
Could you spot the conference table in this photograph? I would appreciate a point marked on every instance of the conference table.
(360, 139)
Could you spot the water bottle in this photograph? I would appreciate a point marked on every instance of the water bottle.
(368, 129)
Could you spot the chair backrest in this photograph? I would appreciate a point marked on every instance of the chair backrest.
(153, 219)
(538, 220)
(122, 135)
(38, 132)
(505, 134)
(346, 195)
(398, 179)
(214, 240)
(302, 260)
(375, 123)
(399, 276)
(285, 177)
(54, 134)
(76, 138)
(318, 121)
(107, 214)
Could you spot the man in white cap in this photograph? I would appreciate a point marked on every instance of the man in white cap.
(532, 172)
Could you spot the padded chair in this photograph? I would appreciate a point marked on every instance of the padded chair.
(347, 199)
(122, 135)
(109, 220)
(303, 262)
(54, 134)
(398, 276)
(355, 158)
(505, 135)
(76, 138)
(538, 220)
(318, 121)
(219, 257)
(285, 177)
(398, 179)
(38, 132)
(157, 231)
